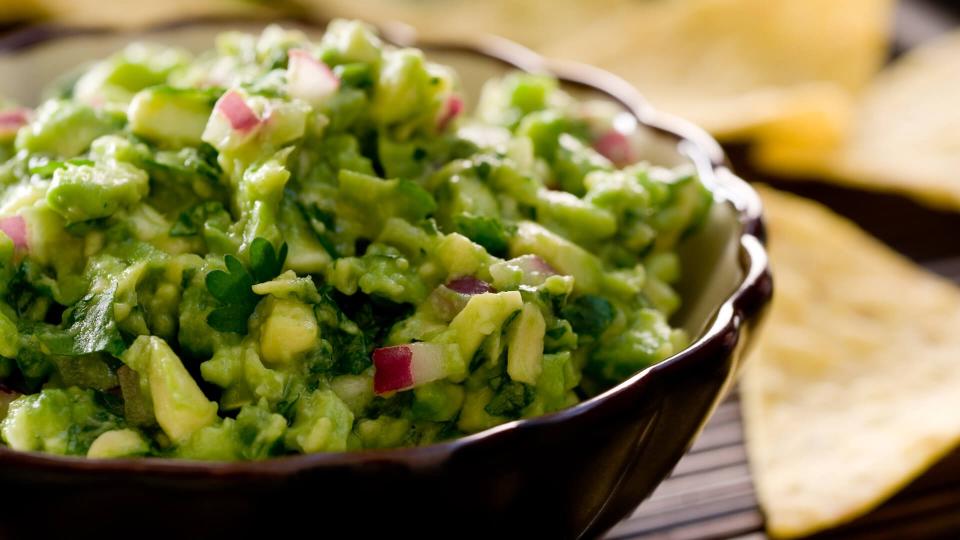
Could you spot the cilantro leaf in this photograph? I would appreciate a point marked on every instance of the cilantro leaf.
(483, 169)
(348, 349)
(265, 262)
(358, 75)
(189, 222)
(351, 326)
(230, 286)
(229, 319)
(589, 315)
(323, 224)
(34, 366)
(233, 288)
(192, 221)
(92, 324)
(90, 328)
(510, 400)
(487, 231)
(353, 355)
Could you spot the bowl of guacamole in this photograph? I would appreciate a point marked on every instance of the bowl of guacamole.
(250, 263)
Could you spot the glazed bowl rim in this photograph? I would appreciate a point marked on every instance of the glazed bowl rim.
(725, 329)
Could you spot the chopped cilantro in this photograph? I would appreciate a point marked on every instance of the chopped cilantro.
(191, 221)
(265, 262)
(589, 315)
(489, 232)
(510, 400)
(234, 287)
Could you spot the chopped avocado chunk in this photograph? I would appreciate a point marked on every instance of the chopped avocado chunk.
(136, 67)
(525, 345)
(178, 403)
(85, 192)
(64, 129)
(560, 253)
(438, 401)
(59, 421)
(482, 316)
(118, 443)
(474, 416)
(290, 330)
(170, 115)
(322, 423)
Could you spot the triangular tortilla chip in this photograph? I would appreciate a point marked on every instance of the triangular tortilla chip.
(905, 135)
(854, 387)
(129, 13)
(735, 67)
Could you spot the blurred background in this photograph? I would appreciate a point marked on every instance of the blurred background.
(775, 81)
(827, 99)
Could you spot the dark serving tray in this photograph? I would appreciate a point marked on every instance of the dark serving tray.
(710, 493)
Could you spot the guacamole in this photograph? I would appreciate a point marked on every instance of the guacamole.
(282, 246)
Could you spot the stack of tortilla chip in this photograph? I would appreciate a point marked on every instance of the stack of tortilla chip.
(905, 135)
(854, 387)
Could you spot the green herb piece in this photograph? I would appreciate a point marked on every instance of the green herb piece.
(489, 232)
(191, 221)
(90, 328)
(265, 262)
(589, 315)
(234, 287)
(510, 400)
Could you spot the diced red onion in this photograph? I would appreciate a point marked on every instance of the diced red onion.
(235, 109)
(402, 367)
(393, 368)
(308, 78)
(615, 146)
(469, 285)
(16, 228)
(452, 108)
(12, 120)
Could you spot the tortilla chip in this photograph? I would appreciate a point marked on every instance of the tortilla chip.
(905, 136)
(852, 390)
(735, 67)
(19, 10)
(127, 13)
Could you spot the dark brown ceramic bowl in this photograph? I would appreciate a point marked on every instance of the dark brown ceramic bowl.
(574, 473)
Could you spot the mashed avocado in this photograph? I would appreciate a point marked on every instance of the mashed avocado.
(280, 246)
